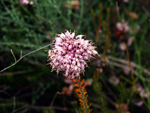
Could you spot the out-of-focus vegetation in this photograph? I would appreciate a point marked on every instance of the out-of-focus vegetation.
(117, 82)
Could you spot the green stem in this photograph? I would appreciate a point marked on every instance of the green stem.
(21, 57)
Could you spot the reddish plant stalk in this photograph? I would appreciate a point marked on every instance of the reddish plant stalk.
(82, 94)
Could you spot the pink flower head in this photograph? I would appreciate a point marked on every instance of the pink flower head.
(26, 2)
(130, 41)
(69, 54)
(126, 1)
(140, 103)
(122, 26)
(122, 46)
(142, 91)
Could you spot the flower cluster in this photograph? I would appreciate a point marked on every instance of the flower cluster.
(26, 2)
(122, 26)
(143, 93)
(69, 54)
